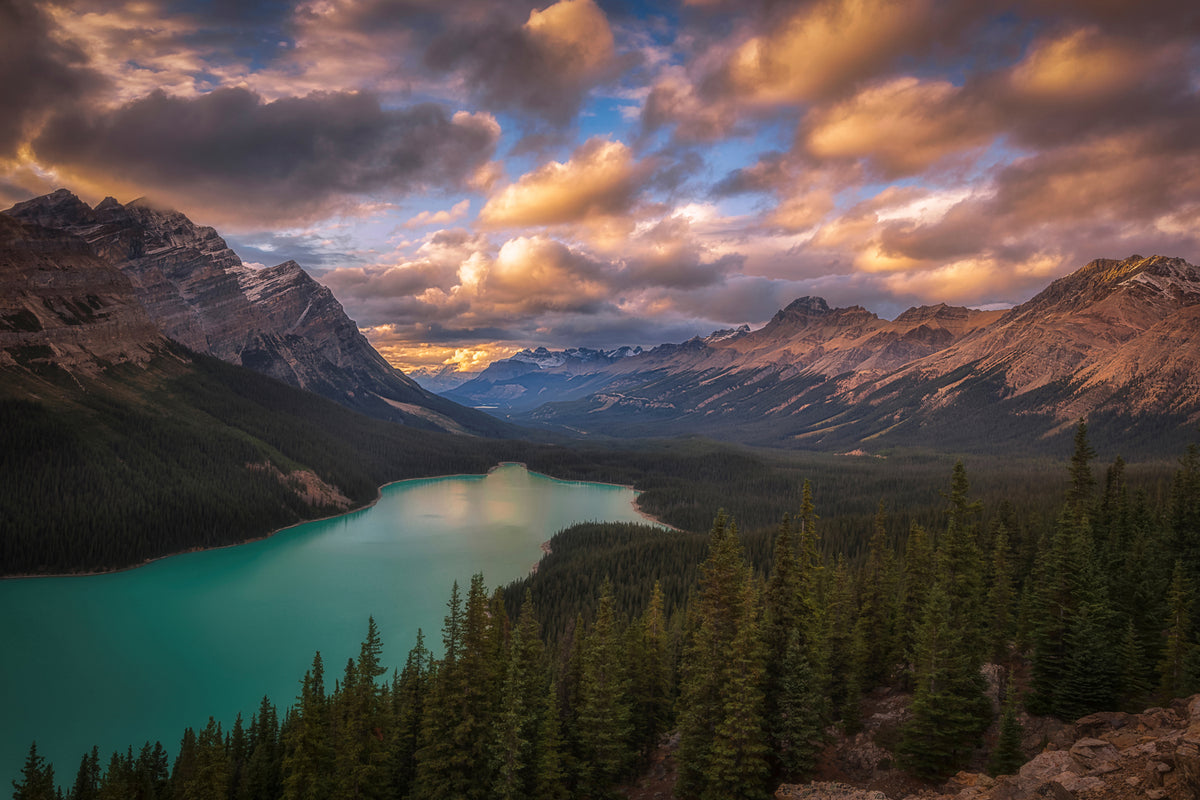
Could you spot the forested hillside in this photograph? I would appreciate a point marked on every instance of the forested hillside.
(749, 663)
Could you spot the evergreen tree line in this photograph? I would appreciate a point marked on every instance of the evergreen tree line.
(144, 463)
(750, 667)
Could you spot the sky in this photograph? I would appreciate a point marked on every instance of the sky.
(471, 178)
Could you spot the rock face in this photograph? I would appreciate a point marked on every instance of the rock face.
(1154, 755)
(62, 305)
(277, 321)
(1117, 342)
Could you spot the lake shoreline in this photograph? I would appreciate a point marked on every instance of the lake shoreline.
(354, 510)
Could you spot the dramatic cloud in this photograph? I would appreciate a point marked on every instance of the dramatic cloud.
(230, 153)
(903, 126)
(544, 66)
(38, 73)
(474, 176)
(600, 180)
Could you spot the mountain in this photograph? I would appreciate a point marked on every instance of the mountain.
(61, 304)
(277, 321)
(441, 379)
(530, 378)
(1117, 342)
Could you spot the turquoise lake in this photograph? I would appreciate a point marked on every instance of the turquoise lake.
(119, 659)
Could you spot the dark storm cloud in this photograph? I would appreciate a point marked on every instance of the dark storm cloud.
(543, 64)
(37, 73)
(289, 158)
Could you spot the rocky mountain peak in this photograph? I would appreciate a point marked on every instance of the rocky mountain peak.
(919, 314)
(277, 321)
(805, 306)
(53, 210)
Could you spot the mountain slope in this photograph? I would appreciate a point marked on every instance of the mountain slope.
(61, 304)
(1116, 341)
(276, 321)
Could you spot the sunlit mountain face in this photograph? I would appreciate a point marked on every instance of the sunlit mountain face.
(473, 178)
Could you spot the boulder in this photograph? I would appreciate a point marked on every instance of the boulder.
(1093, 725)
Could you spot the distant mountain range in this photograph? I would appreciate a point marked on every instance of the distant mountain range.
(1116, 342)
(88, 287)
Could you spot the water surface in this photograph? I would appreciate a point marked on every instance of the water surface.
(119, 659)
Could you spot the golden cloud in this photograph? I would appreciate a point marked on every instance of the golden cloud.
(824, 47)
(599, 180)
(574, 35)
(902, 126)
(1081, 65)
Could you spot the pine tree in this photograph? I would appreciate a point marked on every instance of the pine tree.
(37, 778)
(650, 675)
(603, 719)
(409, 691)
(949, 708)
(720, 713)
(1000, 599)
(796, 733)
(1083, 482)
(87, 779)
(520, 704)
(737, 766)
(308, 762)
(1007, 758)
(875, 628)
(960, 564)
(550, 774)
(713, 614)
(1173, 669)
(918, 577)
(442, 767)
(1135, 684)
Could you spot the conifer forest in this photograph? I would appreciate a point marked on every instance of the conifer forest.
(750, 651)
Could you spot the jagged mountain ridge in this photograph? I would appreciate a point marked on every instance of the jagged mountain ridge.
(1118, 340)
(531, 377)
(277, 321)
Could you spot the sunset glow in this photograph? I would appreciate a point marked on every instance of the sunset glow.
(472, 177)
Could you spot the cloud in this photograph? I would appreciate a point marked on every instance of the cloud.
(240, 158)
(600, 180)
(38, 72)
(823, 48)
(454, 214)
(544, 66)
(902, 126)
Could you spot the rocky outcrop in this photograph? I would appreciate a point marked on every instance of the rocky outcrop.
(277, 321)
(62, 306)
(1154, 755)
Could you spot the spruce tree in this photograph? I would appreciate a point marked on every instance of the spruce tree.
(1000, 623)
(650, 675)
(949, 708)
(409, 690)
(1173, 669)
(308, 763)
(737, 768)
(603, 717)
(1007, 757)
(796, 732)
(87, 779)
(714, 614)
(516, 726)
(37, 778)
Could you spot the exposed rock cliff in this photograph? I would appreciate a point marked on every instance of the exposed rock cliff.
(277, 321)
(62, 305)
